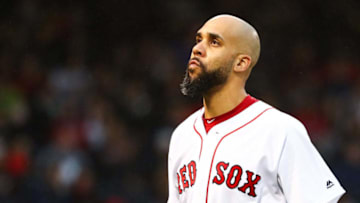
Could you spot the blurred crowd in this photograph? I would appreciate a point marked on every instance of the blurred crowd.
(89, 90)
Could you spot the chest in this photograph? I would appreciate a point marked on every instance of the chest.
(239, 161)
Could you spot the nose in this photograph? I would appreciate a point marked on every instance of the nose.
(199, 50)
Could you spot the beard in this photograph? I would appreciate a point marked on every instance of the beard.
(205, 81)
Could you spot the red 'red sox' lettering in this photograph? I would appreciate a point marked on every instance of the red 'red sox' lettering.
(186, 176)
(234, 177)
(250, 184)
(192, 172)
(232, 184)
(184, 181)
(220, 172)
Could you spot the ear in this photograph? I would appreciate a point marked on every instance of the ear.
(242, 63)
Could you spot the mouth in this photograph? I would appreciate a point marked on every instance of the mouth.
(193, 64)
(194, 61)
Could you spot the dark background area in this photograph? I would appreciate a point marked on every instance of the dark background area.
(89, 90)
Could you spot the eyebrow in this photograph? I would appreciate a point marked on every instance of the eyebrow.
(212, 35)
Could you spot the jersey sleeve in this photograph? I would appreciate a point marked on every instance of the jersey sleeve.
(302, 173)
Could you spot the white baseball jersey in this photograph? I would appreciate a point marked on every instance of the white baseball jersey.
(255, 153)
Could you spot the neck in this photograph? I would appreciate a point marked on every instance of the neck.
(222, 100)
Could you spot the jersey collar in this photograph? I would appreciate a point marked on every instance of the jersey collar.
(211, 122)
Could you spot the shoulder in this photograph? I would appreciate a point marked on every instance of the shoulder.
(282, 121)
(188, 122)
(185, 127)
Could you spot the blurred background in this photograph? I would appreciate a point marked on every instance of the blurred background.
(89, 90)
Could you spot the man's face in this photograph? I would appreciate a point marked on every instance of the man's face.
(211, 60)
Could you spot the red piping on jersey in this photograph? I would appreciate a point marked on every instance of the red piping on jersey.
(200, 138)
(211, 122)
(207, 188)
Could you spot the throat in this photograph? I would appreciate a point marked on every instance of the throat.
(211, 122)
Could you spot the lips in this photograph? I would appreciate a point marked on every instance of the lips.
(194, 62)
(194, 65)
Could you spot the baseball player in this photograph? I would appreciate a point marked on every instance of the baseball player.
(238, 148)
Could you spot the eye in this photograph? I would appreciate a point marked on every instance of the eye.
(197, 40)
(215, 42)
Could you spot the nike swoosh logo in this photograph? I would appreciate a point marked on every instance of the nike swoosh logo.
(210, 121)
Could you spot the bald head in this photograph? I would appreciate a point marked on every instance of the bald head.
(242, 36)
(222, 57)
